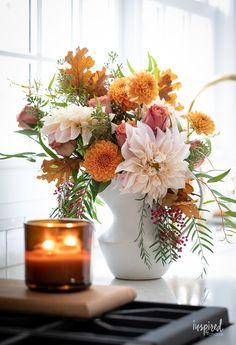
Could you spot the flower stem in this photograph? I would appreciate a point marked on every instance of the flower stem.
(139, 113)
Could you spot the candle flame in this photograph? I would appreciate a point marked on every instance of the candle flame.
(70, 240)
(48, 245)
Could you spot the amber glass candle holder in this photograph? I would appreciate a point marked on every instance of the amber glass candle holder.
(57, 254)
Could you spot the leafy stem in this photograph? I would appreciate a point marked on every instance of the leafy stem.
(220, 209)
(201, 237)
(46, 149)
(139, 113)
(144, 254)
(201, 250)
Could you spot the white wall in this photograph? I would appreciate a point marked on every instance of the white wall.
(22, 197)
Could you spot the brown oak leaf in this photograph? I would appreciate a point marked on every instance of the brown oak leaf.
(188, 189)
(169, 199)
(189, 210)
(97, 82)
(79, 75)
(58, 170)
(167, 88)
(182, 200)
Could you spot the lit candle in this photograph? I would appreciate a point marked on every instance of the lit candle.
(58, 254)
(48, 245)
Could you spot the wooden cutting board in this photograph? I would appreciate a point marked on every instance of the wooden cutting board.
(14, 296)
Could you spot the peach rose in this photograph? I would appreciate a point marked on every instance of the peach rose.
(28, 117)
(156, 116)
(103, 100)
(65, 149)
(121, 132)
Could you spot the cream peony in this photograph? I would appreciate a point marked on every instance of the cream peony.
(65, 124)
(153, 163)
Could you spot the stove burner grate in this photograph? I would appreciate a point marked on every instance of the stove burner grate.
(137, 323)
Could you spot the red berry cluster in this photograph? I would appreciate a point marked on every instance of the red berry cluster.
(159, 214)
(176, 217)
(63, 193)
(174, 238)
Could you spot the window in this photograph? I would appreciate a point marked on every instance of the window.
(35, 33)
(193, 37)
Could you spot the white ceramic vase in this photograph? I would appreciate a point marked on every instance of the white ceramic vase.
(118, 244)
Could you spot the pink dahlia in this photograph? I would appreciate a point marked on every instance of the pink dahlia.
(153, 163)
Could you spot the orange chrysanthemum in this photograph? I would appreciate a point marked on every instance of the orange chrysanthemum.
(118, 93)
(167, 88)
(142, 87)
(101, 160)
(201, 123)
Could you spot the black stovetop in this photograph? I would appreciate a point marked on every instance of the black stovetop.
(137, 323)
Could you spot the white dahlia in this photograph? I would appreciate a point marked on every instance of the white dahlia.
(153, 163)
(65, 124)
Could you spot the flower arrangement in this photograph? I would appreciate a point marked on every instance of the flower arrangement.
(95, 127)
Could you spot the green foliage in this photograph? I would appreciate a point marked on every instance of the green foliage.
(163, 248)
(46, 149)
(229, 223)
(198, 153)
(102, 130)
(68, 94)
(27, 132)
(120, 115)
(152, 66)
(113, 67)
(81, 148)
(202, 239)
(51, 82)
(99, 187)
(76, 199)
(30, 156)
(223, 202)
(130, 67)
(144, 254)
(230, 200)
(35, 97)
(218, 177)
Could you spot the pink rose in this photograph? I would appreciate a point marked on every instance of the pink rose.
(195, 144)
(156, 117)
(64, 149)
(27, 117)
(103, 100)
(121, 132)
